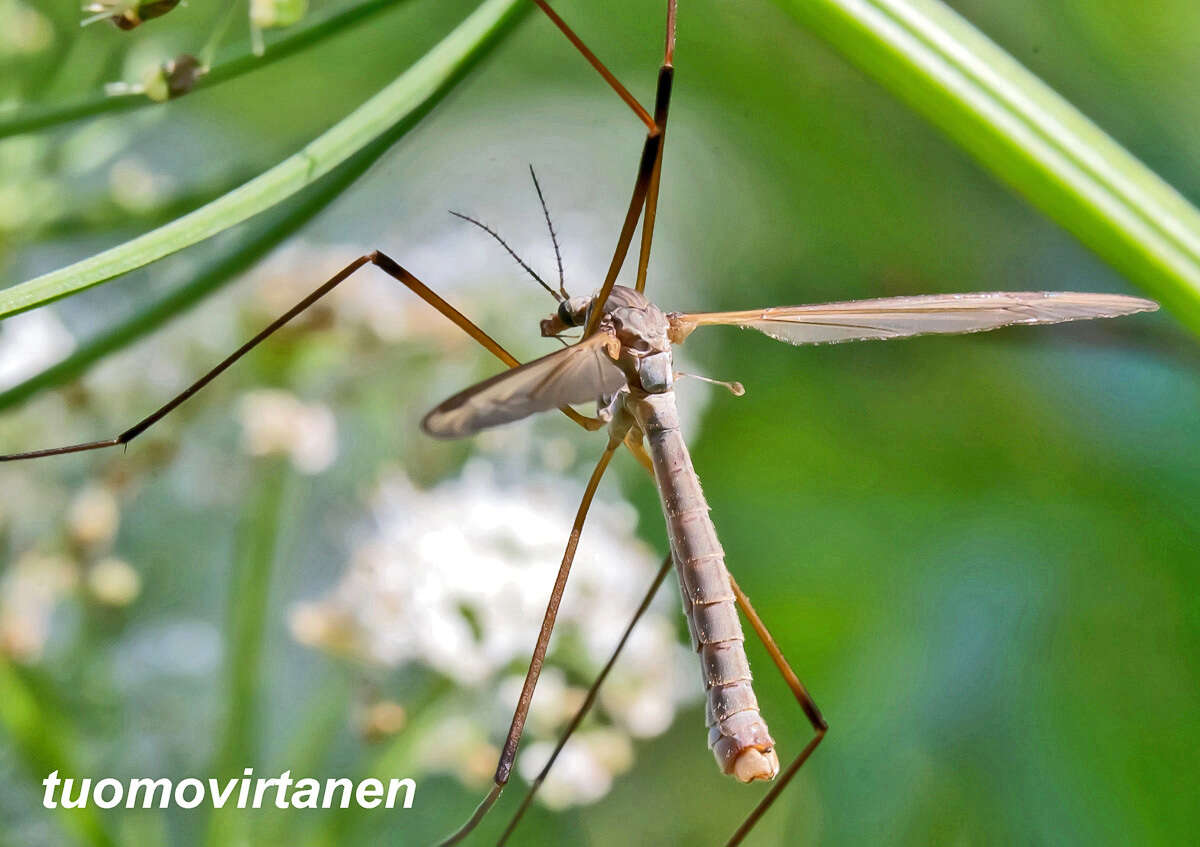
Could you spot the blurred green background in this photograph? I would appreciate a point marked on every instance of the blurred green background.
(980, 553)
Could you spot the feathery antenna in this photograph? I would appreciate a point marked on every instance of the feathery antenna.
(511, 252)
(562, 286)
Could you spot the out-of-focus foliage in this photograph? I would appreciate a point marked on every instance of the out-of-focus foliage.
(979, 553)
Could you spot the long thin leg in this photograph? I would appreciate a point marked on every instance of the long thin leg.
(802, 696)
(508, 753)
(662, 105)
(380, 260)
(645, 188)
(393, 269)
(589, 700)
(615, 83)
(645, 172)
(647, 183)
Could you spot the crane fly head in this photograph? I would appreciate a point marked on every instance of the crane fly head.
(571, 312)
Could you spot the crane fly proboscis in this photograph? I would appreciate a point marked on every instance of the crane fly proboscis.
(622, 361)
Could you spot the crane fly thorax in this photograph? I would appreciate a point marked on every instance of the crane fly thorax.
(637, 323)
(641, 329)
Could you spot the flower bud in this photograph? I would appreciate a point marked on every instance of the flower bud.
(265, 14)
(127, 14)
(383, 719)
(93, 517)
(114, 582)
(174, 78)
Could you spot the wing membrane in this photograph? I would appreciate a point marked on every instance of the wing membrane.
(901, 317)
(576, 374)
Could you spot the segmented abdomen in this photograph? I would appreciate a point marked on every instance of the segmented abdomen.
(735, 726)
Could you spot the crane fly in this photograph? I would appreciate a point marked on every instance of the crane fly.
(622, 361)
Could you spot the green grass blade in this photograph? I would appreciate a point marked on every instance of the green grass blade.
(414, 91)
(307, 32)
(105, 215)
(1026, 134)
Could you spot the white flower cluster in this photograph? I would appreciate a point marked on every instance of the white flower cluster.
(457, 578)
(276, 422)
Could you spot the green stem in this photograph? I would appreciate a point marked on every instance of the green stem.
(323, 726)
(249, 606)
(415, 91)
(209, 51)
(1026, 134)
(33, 118)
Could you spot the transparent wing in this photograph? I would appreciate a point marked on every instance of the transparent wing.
(576, 374)
(900, 317)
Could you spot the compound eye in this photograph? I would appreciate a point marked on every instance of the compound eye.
(565, 314)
